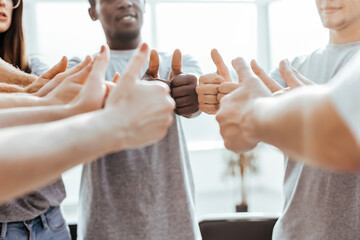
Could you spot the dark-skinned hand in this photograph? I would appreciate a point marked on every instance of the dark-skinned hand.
(183, 85)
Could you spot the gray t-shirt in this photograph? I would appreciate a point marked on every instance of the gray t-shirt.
(345, 95)
(145, 193)
(32, 205)
(320, 204)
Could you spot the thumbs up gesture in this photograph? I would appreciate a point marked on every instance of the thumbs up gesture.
(152, 73)
(182, 85)
(234, 116)
(138, 112)
(213, 87)
(183, 88)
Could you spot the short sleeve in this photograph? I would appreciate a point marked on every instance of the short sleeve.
(345, 95)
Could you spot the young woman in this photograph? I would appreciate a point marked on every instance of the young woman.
(36, 215)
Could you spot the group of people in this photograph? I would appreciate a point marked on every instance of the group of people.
(119, 112)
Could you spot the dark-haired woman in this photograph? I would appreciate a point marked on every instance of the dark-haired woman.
(36, 216)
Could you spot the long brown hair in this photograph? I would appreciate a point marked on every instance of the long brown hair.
(12, 42)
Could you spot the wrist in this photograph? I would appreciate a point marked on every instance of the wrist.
(254, 121)
(112, 130)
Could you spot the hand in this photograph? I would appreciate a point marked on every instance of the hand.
(152, 73)
(183, 88)
(292, 78)
(58, 78)
(234, 116)
(47, 77)
(208, 88)
(138, 112)
(94, 92)
(70, 87)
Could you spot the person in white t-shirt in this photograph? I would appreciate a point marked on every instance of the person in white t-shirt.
(305, 123)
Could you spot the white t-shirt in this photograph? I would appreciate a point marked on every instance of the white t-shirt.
(345, 95)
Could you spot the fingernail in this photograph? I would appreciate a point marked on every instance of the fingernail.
(102, 50)
(144, 47)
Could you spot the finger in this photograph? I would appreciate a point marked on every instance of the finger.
(176, 63)
(242, 69)
(154, 64)
(269, 82)
(81, 77)
(207, 89)
(228, 87)
(209, 108)
(183, 91)
(211, 78)
(184, 79)
(186, 101)
(79, 66)
(186, 111)
(220, 96)
(58, 68)
(134, 68)
(289, 76)
(300, 77)
(208, 99)
(222, 69)
(97, 75)
(116, 77)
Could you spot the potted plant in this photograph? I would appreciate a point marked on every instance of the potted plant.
(240, 166)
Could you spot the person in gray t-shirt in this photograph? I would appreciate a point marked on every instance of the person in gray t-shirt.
(320, 204)
(144, 193)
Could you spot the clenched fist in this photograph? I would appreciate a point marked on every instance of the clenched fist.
(209, 84)
(182, 85)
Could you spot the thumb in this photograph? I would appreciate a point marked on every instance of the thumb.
(289, 76)
(116, 77)
(242, 69)
(222, 69)
(133, 70)
(154, 64)
(176, 63)
(58, 68)
(269, 82)
(300, 76)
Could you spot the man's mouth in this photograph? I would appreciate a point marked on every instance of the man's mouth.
(128, 17)
(330, 10)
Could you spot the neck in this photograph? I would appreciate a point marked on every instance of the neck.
(345, 35)
(124, 45)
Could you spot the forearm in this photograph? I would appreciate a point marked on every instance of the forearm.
(15, 100)
(305, 126)
(34, 115)
(11, 75)
(34, 155)
(10, 88)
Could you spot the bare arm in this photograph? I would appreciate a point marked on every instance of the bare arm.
(34, 155)
(12, 75)
(305, 125)
(55, 147)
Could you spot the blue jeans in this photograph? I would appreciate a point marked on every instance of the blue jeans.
(48, 226)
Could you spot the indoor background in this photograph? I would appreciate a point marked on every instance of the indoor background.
(265, 30)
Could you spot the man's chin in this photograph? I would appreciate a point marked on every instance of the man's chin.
(128, 35)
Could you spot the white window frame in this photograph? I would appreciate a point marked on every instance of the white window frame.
(264, 45)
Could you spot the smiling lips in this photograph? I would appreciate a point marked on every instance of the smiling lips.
(126, 17)
(330, 10)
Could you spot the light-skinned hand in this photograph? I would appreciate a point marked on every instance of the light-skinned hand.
(233, 116)
(209, 84)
